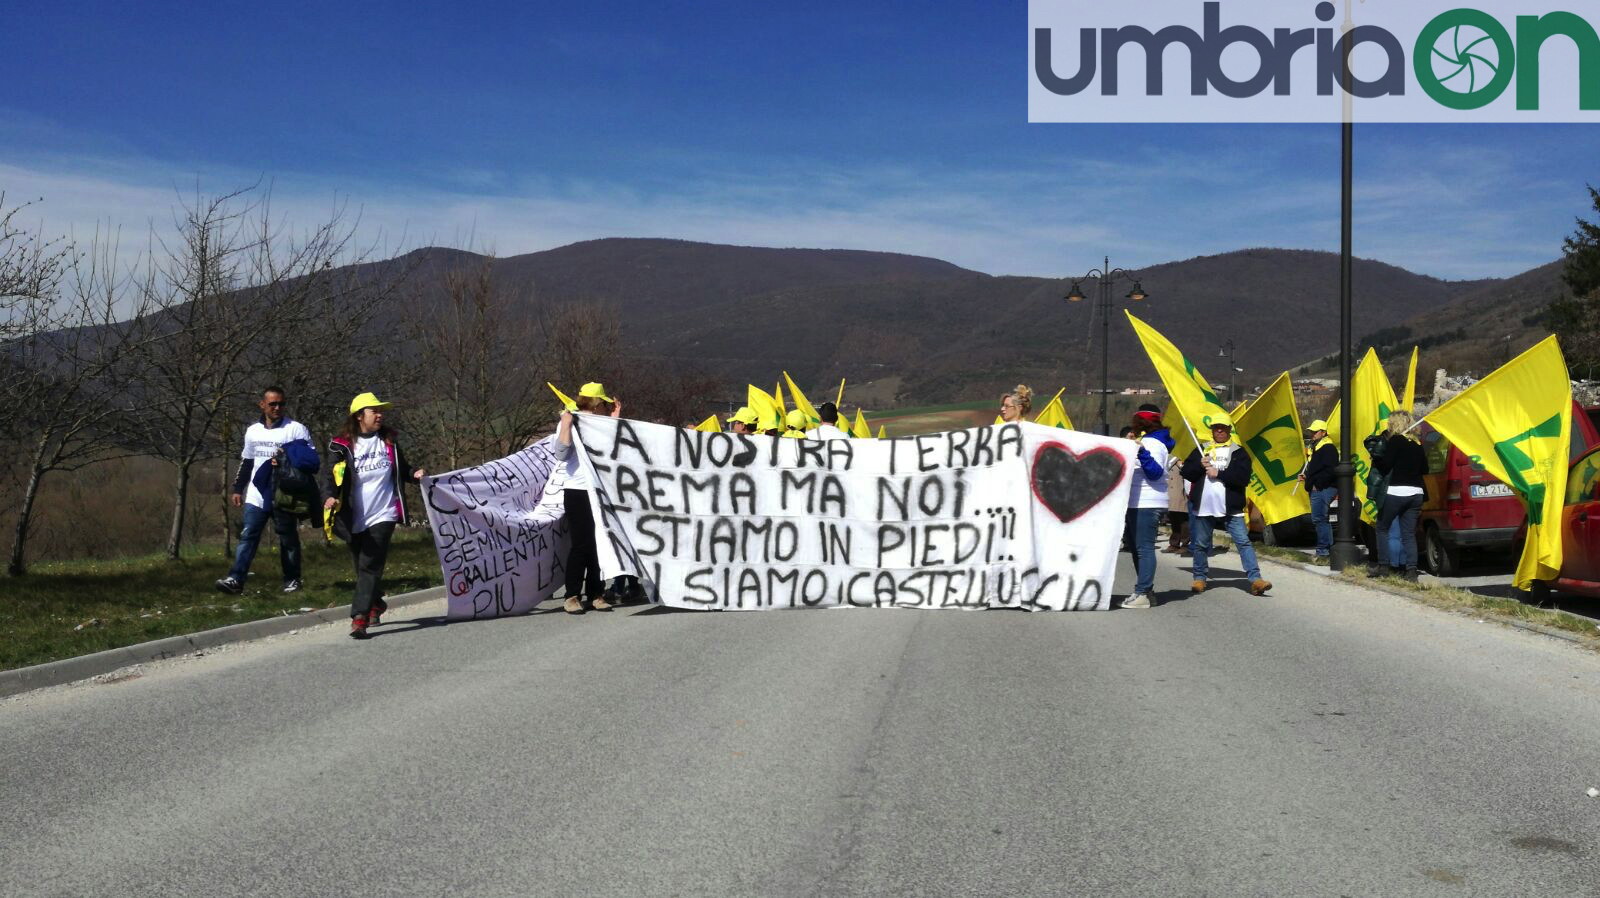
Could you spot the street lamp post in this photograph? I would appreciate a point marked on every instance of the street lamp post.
(1105, 275)
(1226, 352)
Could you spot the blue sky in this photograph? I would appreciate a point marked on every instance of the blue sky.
(889, 126)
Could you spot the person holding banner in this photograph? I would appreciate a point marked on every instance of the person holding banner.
(1321, 484)
(367, 501)
(583, 560)
(1218, 472)
(829, 428)
(1147, 501)
(1015, 405)
(1401, 459)
(743, 421)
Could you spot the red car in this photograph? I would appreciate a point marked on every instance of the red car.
(1580, 532)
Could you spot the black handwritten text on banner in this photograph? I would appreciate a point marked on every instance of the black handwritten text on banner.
(500, 532)
(1021, 516)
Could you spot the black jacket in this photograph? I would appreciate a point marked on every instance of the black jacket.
(1320, 468)
(1403, 460)
(400, 472)
(1235, 477)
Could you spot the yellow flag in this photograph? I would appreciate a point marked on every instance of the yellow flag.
(839, 400)
(883, 432)
(566, 402)
(802, 403)
(1269, 430)
(712, 424)
(1054, 414)
(999, 419)
(861, 430)
(777, 397)
(1409, 397)
(1517, 423)
(1195, 403)
(1182, 439)
(765, 407)
(1372, 399)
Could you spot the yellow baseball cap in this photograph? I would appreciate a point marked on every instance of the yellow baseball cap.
(595, 390)
(796, 419)
(745, 415)
(1221, 419)
(1318, 424)
(366, 400)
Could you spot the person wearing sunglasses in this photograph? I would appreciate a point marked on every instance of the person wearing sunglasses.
(262, 442)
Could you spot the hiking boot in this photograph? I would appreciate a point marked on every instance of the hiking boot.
(1260, 587)
(572, 605)
(379, 606)
(230, 586)
(1137, 600)
(600, 604)
(292, 585)
(358, 627)
(1197, 586)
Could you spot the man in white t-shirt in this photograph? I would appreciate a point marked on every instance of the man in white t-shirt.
(1147, 500)
(1218, 473)
(262, 440)
(829, 428)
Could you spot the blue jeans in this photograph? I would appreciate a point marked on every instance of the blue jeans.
(255, 523)
(1145, 521)
(1401, 510)
(1321, 502)
(1200, 544)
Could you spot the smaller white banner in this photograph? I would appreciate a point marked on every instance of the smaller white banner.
(500, 531)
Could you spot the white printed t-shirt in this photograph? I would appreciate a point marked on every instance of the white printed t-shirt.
(373, 492)
(1214, 493)
(828, 432)
(1147, 493)
(261, 443)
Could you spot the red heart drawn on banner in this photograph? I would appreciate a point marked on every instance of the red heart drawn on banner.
(1070, 484)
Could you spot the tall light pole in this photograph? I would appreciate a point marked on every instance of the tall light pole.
(1226, 352)
(1346, 553)
(1105, 275)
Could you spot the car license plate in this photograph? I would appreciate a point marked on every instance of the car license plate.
(1489, 490)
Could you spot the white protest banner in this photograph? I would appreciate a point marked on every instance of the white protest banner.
(500, 532)
(1014, 515)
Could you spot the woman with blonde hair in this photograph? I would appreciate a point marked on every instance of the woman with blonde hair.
(1015, 405)
(1398, 455)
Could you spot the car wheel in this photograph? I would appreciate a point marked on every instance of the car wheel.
(1442, 561)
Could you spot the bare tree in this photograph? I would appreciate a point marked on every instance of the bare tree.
(237, 303)
(31, 269)
(65, 380)
(479, 375)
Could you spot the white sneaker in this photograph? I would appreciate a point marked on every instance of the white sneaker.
(1137, 600)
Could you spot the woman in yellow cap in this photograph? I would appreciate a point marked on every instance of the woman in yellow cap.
(743, 421)
(795, 425)
(364, 484)
(583, 560)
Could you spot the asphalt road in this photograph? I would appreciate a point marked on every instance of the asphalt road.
(1323, 741)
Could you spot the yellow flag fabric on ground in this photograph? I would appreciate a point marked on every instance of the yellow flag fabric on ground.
(1195, 403)
(861, 430)
(1409, 397)
(712, 424)
(566, 401)
(1517, 423)
(1269, 429)
(1372, 399)
(802, 403)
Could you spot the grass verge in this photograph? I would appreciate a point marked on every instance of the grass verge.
(1450, 598)
(66, 609)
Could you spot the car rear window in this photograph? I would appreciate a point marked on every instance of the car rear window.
(1583, 481)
